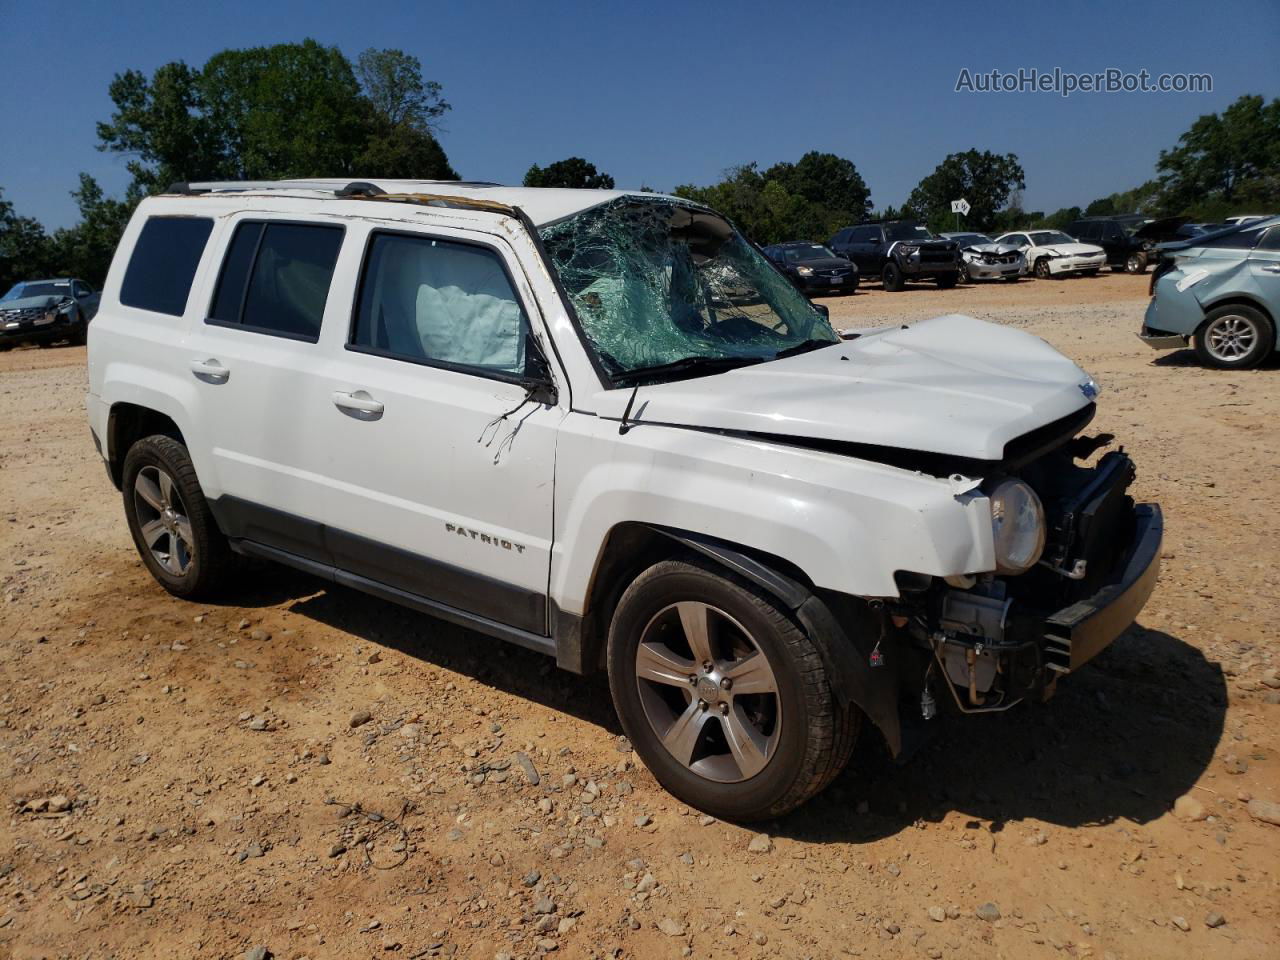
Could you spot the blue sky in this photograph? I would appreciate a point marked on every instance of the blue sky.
(662, 94)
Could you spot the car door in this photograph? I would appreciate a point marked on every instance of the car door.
(440, 463)
(1264, 269)
(255, 358)
(85, 298)
(865, 249)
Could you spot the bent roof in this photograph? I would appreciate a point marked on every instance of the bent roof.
(543, 204)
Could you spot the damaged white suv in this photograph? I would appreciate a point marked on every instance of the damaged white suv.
(601, 425)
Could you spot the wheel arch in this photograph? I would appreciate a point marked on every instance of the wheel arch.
(632, 547)
(127, 423)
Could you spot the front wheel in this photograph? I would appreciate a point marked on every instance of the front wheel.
(1234, 337)
(1135, 263)
(891, 277)
(724, 697)
(170, 520)
(1042, 269)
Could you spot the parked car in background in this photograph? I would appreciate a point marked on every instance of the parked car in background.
(1051, 253)
(46, 311)
(1242, 219)
(772, 538)
(898, 251)
(813, 267)
(981, 258)
(1220, 292)
(1128, 239)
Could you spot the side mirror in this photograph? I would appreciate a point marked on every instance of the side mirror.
(537, 375)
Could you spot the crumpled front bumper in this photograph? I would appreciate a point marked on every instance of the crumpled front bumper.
(1078, 633)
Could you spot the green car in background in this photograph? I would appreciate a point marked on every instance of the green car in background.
(1220, 291)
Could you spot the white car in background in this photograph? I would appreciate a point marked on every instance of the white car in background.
(1051, 253)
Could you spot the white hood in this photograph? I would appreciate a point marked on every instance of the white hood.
(1073, 249)
(951, 385)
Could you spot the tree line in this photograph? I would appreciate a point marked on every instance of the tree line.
(297, 110)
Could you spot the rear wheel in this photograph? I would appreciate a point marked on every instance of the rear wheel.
(170, 520)
(1234, 337)
(891, 277)
(724, 697)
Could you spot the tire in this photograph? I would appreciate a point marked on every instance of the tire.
(188, 556)
(946, 282)
(802, 735)
(891, 277)
(1042, 269)
(1234, 337)
(1135, 263)
(963, 275)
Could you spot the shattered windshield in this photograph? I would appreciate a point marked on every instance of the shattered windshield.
(656, 283)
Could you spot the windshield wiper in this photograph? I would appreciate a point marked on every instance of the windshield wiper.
(804, 347)
(686, 364)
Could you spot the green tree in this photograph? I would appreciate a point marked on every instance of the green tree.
(406, 112)
(987, 180)
(571, 172)
(827, 181)
(806, 200)
(1220, 156)
(25, 249)
(282, 111)
(85, 250)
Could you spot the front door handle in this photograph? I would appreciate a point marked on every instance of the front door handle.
(358, 404)
(1272, 268)
(210, 371)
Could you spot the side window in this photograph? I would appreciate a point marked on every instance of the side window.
(441, 303)
(80, 289)
(1270, 241)
(275, 278)
(163, 264)
(1018, 240)
(1240, 240)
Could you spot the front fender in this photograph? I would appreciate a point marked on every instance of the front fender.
(847, 524)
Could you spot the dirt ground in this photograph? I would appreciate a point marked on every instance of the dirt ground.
(201, 781)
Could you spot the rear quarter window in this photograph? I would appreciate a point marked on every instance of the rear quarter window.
(163, 264)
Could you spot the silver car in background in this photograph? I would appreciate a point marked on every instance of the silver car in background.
(981, 258)
(1220, 292)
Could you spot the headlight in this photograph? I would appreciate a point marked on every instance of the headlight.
(1017, 526)
(805, 271)
(907, 249)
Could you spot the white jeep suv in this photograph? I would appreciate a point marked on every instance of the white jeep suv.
(601, 425)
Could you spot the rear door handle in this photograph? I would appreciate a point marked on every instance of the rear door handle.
(1272, 268)
(210, 371)
(358, 404)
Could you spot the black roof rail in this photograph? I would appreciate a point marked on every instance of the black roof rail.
(359, 188)
(185, 188)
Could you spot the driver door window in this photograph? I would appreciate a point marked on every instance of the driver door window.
(440, 303)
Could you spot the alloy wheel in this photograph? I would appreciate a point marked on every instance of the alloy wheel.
(708, 692)
(163, 520)
(1230, 338)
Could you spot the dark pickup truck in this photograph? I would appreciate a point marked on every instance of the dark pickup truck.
(898, 251)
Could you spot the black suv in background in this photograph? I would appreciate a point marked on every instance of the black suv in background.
(897, 251)
(813, 268)
(1129, 238)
